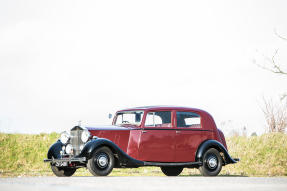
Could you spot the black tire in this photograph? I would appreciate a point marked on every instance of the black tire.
(102, 162)
(171, 170)
(62, 171)
(211, 163)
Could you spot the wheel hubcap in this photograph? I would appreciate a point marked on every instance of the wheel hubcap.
(102, 160)
(212, 162)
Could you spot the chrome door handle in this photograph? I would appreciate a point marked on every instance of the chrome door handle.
(177, 132)
(144, 131)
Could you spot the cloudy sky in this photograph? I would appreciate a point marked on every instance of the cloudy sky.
(64, 61)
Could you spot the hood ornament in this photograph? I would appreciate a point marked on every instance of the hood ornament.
(78, 127)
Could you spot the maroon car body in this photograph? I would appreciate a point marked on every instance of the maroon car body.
(166, 136)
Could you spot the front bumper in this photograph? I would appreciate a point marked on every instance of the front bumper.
(65, 161)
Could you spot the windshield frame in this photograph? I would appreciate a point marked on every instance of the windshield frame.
(129, 111)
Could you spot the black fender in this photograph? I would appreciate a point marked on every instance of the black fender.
(54, 150)
(204, 146)
(123, 160)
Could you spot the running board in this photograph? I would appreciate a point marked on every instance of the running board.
(172, 163)
(236, 159)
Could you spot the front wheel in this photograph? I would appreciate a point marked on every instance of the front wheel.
(211, 164)
(62, 171)
(171, 170)
(102, 162)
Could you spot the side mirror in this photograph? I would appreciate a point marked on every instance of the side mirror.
(110, 115)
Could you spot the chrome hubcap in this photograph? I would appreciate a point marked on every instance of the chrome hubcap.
(212, 162)
(102, 160)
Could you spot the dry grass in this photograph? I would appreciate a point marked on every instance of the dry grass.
(266, 155)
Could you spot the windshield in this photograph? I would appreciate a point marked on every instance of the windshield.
(129, 118)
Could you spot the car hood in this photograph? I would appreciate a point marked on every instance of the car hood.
(111, 127)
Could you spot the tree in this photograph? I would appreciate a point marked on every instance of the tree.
(275, 115)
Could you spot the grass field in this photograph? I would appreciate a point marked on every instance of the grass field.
(266, 155)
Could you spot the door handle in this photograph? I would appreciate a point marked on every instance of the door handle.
(144, 131)
(177, 132)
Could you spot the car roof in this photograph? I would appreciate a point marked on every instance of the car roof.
(208, 119)
(164, 107)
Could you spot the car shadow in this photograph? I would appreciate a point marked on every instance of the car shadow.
(193, 175)
(224, 175)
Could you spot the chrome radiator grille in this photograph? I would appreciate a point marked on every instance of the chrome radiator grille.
(76, 141)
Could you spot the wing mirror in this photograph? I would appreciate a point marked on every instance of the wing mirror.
(110, 115)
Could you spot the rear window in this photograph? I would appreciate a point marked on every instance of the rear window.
(188, 119)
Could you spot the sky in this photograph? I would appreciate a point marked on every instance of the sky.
(65, 61)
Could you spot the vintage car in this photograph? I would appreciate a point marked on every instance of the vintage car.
(171, 138)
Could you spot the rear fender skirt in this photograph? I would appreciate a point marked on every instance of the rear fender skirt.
(54, 150)
(213, 144)
(124, 160)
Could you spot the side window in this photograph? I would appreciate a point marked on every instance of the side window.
(188, 119)
(158, 119)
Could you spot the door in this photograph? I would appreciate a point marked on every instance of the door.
(157, 137)
(188, 136)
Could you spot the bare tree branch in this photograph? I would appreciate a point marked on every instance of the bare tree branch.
(275, 31)
(275, 115)
(275, 68)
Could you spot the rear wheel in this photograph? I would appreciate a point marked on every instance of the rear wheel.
(102, 162)
(212, 163)
(171, 170)
(62, 171)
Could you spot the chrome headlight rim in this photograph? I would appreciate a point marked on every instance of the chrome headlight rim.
(64, 138)
(85, 136)
(69, 149)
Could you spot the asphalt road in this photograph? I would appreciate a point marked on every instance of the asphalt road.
(142, 183)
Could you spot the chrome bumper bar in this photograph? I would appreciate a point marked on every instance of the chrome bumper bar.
(81, 159)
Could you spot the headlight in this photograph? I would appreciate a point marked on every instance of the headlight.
(64, 137)
(85, 136)
(69, 149)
